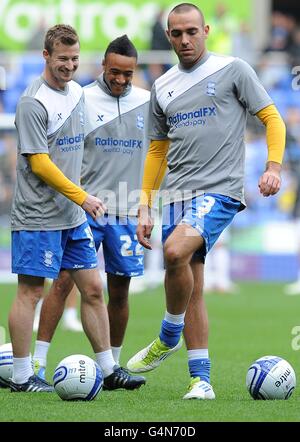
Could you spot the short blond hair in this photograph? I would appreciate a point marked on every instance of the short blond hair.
(64, 34)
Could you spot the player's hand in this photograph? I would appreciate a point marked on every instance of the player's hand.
(145, 226)
(94, 206)
(270, 181)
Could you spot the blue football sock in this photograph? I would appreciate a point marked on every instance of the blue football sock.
(201, 368)
(170, 333)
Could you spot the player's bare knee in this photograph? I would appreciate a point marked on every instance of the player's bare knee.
(31, 294)
(119, 301)
(62, 288)
(63, 285)
(173, 256)
(92, 294)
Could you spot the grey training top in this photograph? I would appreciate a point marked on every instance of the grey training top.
(115, 146)
(203, 112)
(51, 122)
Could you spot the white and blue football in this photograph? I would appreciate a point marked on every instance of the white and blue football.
(270, 377)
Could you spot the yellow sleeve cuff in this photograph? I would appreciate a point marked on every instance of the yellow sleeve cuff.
(46, 170)
(275, 132)
(154, 170)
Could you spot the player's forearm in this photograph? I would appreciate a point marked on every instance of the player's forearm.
(46, 170)
(154, 170)
(275, 133)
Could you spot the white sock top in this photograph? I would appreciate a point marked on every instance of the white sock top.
(116, 352)
(40, 352)
(22, 370)
(106, 362)
(199, 353)
(174, 319)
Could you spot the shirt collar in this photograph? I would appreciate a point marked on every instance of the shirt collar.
(104, 86)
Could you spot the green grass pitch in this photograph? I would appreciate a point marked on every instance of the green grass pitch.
(256, 322)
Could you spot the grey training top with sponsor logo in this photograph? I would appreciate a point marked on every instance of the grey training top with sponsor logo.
(203, 112)
(51, 122)
(116, 144)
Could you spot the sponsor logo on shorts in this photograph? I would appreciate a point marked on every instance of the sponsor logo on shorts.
(48, 258)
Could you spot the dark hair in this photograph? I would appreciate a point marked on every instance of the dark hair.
(122, 46)
(64, 34)
(185, 7)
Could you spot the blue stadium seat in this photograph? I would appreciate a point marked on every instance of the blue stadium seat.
(31, 67)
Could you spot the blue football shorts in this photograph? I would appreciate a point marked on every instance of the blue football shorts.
(45, 253)
(123, 255)
(208, 214)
